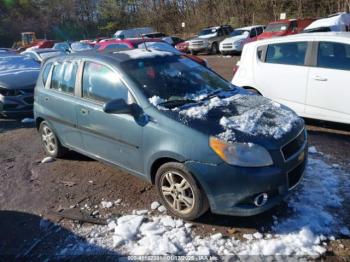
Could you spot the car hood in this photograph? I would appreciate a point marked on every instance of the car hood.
(241, 118)
(234, 39)
(18, 72)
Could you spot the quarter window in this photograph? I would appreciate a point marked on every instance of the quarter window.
(46, 72)
(63, 77)
(287, 53)
(101, 84)
(333, 55)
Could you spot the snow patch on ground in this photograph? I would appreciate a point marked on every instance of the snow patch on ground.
(106, 204)
(27, 120)
(312, 221)
(48, 159)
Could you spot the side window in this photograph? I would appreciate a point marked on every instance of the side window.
(333, 55)
(294, 25)
(287, 53)
(63, 77)
(220, 32)
(252, 33)
(101, 84)
(46, 72)
(259, 30)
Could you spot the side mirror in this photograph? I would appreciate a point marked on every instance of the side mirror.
(117, 106)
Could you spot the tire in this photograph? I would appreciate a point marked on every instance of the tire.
(50, 142)
(214, 49)
(188, 201)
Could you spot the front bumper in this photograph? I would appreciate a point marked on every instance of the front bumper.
(231, 190)
(14, 106)
(228, 48)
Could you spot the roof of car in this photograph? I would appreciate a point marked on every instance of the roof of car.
(307, 37)
(120, 56)
(43, 50)
(249, 27)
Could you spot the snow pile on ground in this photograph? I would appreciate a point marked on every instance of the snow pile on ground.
(312, 221)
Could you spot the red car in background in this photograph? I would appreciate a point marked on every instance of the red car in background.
(183, 47)
(285, 27)
(44, 44)
(132, 43)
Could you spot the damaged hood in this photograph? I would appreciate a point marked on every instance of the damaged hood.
(241, 118)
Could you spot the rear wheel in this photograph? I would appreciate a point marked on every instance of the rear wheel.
(50, 142)
(179, 192)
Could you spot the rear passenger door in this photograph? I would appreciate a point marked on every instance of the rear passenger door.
(58, 101)
(329, 83)
(116, 138)
(282, 74)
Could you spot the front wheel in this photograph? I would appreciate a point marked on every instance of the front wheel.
(50, 142)
(179, 192)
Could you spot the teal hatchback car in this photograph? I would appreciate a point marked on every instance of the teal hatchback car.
(203, 142)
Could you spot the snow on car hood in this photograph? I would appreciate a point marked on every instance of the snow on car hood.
(238, 117)
(234, 39)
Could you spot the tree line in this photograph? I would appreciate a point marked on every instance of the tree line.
(83, 19)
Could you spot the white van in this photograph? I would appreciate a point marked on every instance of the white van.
(133, 32)
(309, 73)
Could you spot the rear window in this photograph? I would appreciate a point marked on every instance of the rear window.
(333, 55)
(64, 76)
(287, 53)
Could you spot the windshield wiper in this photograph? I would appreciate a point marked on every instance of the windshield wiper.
(176, 102)
(211, 95)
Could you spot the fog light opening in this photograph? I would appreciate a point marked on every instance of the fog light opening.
(260, 199)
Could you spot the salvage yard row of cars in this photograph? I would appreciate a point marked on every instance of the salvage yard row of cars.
(165, 116)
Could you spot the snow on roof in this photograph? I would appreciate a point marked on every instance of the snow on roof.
(143, 53)
(333, 22)
(249, 27)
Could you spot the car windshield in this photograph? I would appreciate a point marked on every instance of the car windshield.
(207, 31)
(238, 32)
(174, 78)
(277, 27)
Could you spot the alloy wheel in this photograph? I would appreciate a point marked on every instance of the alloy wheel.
(49, 139)
(177, 192)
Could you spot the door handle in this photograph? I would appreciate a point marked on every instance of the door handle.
(84, 111)
(46, 99)
(319, 78)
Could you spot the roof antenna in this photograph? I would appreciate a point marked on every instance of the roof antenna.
(144, 43)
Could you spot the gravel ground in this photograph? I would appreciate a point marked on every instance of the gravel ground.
(30, 190)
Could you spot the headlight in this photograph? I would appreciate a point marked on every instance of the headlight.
(239, 43)
(241, 154)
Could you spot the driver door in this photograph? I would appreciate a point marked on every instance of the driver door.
(116, 138)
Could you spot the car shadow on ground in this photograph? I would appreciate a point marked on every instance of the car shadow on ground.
(25, 236)
(7, 124)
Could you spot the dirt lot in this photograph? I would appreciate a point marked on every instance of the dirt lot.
(30, 189)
